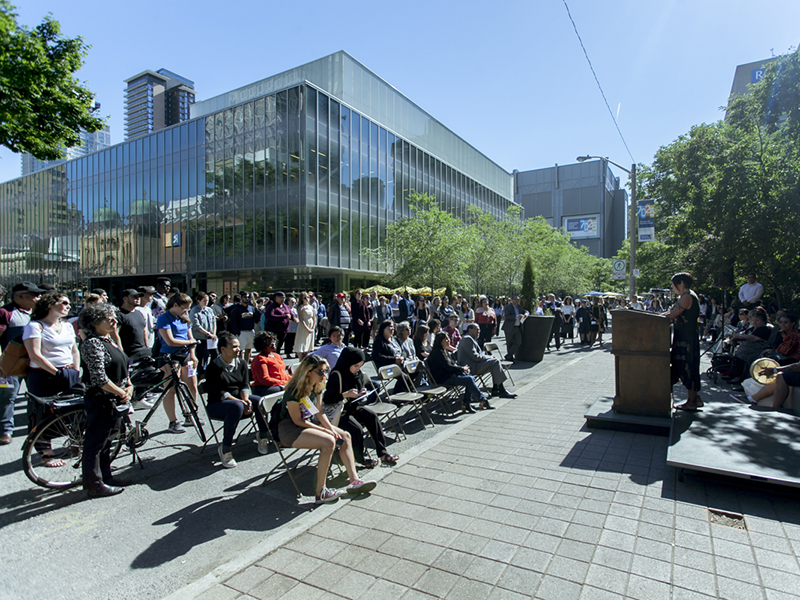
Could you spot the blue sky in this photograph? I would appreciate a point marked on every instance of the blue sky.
(509, 77)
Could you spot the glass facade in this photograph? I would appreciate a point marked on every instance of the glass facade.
(294, 181)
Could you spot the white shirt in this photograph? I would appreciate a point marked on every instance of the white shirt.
(751, 292)
(57, 341)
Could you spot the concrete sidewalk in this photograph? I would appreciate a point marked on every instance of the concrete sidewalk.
(525, 502)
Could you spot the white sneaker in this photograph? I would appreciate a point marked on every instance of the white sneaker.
(361, 487)
(226, 458)
(328, 495)
(176, 427)
(263, 444)
(142, 404)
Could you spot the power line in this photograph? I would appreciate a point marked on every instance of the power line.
(586, 54)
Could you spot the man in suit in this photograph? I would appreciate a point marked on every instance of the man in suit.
(406, 307)
(470, 355)
(513, 317)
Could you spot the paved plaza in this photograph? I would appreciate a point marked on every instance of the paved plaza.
(526, 502)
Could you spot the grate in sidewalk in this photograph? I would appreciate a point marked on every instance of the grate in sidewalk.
(728, 519)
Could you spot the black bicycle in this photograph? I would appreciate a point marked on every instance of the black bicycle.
(53, 451)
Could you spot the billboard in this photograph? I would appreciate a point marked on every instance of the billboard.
(584, 226)
(645, 211)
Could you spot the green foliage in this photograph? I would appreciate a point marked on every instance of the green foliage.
(42, 105)
(727, 193)
(528, 295)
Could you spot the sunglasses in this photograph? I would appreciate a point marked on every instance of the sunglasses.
(64, 302)
(322, 372)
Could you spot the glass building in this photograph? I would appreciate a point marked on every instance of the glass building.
(281, 184)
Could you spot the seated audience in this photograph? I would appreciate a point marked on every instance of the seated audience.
(470, 355)
(446, 372)
(386, 349)
(268, 369)
(421, 346)
(331, 351)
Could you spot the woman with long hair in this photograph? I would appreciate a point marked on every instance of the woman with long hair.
(446, 372)
(685, 354)
(175, 329)
(568, 310)
(421, 346)
(301, 401)
(307, 325)
(486, 319)
(346, 383)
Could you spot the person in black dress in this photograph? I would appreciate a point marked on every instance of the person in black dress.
(107, 385)
(685, 353)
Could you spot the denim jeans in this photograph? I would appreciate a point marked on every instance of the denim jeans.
(8, 396)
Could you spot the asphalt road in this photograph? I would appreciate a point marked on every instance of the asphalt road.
(183, 516)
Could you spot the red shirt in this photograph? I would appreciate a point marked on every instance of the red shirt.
(269, 370)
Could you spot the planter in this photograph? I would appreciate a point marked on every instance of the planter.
(535, 335)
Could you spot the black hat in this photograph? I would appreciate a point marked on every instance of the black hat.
(47, 287)
(131, 292)
(98, 291)
(146, 289)
(280, 294)
(28, 287)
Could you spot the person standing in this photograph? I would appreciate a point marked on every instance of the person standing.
(339, 316)
(277, 316)
(14, 316)
(751, 292)
(242, 324)
(132, 327)
(685, 353)
(513, 318)
(306, 327)
(362, 313)
(145, 307)
(204, 330)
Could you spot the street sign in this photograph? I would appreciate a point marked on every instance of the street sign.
(616, 275)
(636, 272)
(618, 266)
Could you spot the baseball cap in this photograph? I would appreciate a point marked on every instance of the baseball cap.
(27, 287)
(341, 295)
(146, 289)
(131, 292)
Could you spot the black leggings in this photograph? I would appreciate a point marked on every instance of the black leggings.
(353, 420)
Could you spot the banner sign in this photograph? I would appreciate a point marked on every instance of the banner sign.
(645, 210)
(582, 227)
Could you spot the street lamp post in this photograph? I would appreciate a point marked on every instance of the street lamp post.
(632, 219)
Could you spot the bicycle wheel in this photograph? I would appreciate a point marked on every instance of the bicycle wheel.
(57, 439)
(189, 409)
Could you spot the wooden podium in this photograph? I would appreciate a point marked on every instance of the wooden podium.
(641, 349)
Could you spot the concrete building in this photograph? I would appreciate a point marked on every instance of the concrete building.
(155, 100)
(585, 199)
(748, 74)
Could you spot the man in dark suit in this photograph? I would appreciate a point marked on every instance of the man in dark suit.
(406, 306)
(513, 317)
(470, 355)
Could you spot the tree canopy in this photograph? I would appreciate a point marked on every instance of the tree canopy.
(727, 194)
(43, 107)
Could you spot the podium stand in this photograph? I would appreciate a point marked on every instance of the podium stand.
(641, 349)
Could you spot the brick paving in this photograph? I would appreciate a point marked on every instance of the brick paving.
(526, 502)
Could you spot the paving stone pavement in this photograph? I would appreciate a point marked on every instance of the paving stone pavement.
(526, 502)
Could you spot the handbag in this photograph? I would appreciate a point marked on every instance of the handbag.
(14, 361)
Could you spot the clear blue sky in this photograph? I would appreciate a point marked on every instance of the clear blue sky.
(509, 77)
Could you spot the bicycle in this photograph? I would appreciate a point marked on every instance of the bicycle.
(60, 435)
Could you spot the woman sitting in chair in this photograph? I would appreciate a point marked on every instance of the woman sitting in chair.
(447, 373)
(269, 370)
(229, 398)
(303, 400)
(346, 383)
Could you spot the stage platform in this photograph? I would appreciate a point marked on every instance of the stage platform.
(602, 416)
(737, 441)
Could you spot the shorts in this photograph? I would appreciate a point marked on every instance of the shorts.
(288, 432)
(792, 378)
(246, 340)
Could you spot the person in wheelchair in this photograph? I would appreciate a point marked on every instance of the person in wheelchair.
(229, 398)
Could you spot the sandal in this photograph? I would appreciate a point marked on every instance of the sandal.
(389, 459)
(52, 462)
(369, 463)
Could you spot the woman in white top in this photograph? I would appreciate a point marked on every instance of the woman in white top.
(466, 316)
(568, 308)
(304, 341)
(50, 342)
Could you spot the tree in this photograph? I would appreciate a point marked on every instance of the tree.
(528, 294)
(727, 193)
(43, 107)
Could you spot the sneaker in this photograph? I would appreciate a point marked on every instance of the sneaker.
(142, 404)
(328, 495)
(189, 423)
(226, 458)
(263, 444)
(176, 427)
(361, 487)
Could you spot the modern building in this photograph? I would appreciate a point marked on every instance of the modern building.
(90, 142)
(155, 100)
(748, 74)
(281, 184)
(585, 199)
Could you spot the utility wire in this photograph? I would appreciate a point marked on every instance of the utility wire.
(586, 54)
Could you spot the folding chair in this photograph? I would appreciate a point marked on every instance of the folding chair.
(386, 412)
(412, 400)
(433, 393)
(269, 407)
(251, 427)
(453, 392)
(489, 348)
